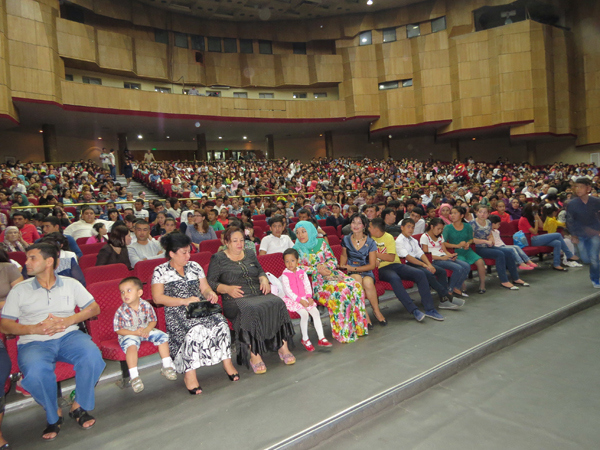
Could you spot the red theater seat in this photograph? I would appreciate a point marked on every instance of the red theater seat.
(104, 273)
(91, 249)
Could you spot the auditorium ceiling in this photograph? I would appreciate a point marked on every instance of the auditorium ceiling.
(252, 10)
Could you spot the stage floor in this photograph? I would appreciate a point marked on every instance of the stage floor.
(262, 410)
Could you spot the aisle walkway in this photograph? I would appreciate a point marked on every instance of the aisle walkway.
(542, 393)
(262, 410)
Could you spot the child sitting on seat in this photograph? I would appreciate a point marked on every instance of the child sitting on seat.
(520, 256)
(298, 298)
(134, 322)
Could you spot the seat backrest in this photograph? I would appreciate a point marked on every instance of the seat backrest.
(87, 261)
(258, 217)
(108, 297)
(19, 257)
(333, 240)
(273, 263)
(418, 237)
(262, 224)
(210, 245)
(337, 251)
(144, 269)
(201, 258)
(219, 233)
(91, 249)
(322, 222)
(329, 231)
(104, 273)
(81, 241)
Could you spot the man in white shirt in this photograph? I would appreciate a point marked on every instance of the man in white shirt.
(104, 159)
(84, 226)
(408, 247)
(426, 197)
(112, 164)
(144, 248)
(276, 242)
(417, 216)
(138, 210)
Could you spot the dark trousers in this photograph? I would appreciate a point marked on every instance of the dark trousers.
(395, 273)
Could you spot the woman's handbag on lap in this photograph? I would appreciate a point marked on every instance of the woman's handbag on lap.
(202, 309)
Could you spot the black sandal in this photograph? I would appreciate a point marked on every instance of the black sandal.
(195, 390)
(81, 416)
(51, 428)
(562, 269)
(232, 377)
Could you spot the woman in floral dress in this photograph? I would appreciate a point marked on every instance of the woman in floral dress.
(342, 295)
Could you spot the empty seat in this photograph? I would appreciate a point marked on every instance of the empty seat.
(87, 261)
(91, 249)
(104, 273)
(272, 263)
(333, 240)
(210, 245)
(19, 257)
(201, 258)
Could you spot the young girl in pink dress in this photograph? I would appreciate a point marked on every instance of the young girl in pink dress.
(297, 295)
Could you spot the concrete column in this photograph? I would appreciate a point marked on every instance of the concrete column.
(532, 152)
(385, 143)
(201, 153)
(122, 142)
(455, 144)
(50, 145)
(329, 144)
(270, 147)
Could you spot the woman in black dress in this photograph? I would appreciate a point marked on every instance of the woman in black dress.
(196, 342)
(260, 319)
(128, 171)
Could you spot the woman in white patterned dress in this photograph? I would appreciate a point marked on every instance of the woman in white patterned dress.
(195, 342)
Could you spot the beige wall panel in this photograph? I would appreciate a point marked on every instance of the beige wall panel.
(515, 81)
(434, 113)
(27, 9)
(434, 60)
(435, 77)
(115, 51)
(22, 30)
(399, 98)
(436, 94)
(515, 43)
(514, 62)
(117, 9)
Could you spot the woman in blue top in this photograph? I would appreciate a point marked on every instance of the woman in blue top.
(359, 259)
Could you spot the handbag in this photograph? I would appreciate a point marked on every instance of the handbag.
(520, 240)
(204, 308)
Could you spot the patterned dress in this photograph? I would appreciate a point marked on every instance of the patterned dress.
(193, 343)
(342, 295)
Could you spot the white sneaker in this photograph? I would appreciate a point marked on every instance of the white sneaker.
(573, 264)
(596, 285)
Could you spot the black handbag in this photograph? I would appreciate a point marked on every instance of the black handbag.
(202, 309)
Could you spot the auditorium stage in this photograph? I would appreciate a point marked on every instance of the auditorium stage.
(300, 406)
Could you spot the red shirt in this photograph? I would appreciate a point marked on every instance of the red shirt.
(503, 218)
(524, 225)
(29, 233)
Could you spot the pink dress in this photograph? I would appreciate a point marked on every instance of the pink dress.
(94, 240)
(296, 286)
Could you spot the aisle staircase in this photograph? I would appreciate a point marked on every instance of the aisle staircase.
(136, 187)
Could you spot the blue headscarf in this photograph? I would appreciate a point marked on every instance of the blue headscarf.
(312, 243)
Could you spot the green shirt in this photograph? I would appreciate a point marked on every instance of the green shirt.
(217, 226)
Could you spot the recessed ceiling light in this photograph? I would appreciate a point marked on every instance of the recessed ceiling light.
(369, 2)
(41, 131)
(140, 136)
(390, 136)
(100, 138)
(245, 137)
(220, 137)
(197, 124)
(320, 135)
(168, 137)
(474, 139)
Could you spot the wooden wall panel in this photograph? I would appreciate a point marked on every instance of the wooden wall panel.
(76, 40)
(115, 51)
(151, 59)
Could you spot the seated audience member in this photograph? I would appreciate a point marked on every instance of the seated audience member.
(198, 229)
(115, 251)
(48, 332)
(86, 198)
(248, 229)
(514, 209)
(389, 218)
(135, 322)
(83, 227)
(67, 260)
(260, 319)
(224, 217)
(417, 216)
(407, 247)
(359, 260)
(170, 227)
(28, 231)
(501, 212)
(520, 257)
(393, 271)
(13, 241)
(297, 296)
(335, 219)
(139, 212)
(63, 217)
(112, 215)
(276, 242)
(51, 224)
(158, 229)
(212, 220)
(129, 221)
(99, 233)
(444, 213)
(288, 231)
(144, 248)
(433, 242)
(174, 209)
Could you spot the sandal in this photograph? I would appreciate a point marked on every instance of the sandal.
(195, 390)
(561, 269)
(81, 416)
(288, 359)
(259, 368)
(51, 428)
(234, 376)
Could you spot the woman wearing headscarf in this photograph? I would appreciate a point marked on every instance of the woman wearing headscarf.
(342, 295)
(13, 241)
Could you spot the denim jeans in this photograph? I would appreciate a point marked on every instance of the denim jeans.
(157, 337)
(552, 240)
(519, 255)
(113, 172)
(589, 251)
(504, 260)
(438, 281)
(395, 273)
(37, 361)
(460, 271)
(5, 366)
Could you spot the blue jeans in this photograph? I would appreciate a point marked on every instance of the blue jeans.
(504, 260)
(5, 366)
(460, 271)
(37, 361)
(113, 172)
(438, 281)
(589, 251)
(395, 273)
(157, 337)
(519, 255)
(552, 240)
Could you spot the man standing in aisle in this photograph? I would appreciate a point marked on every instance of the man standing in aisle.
(584, 225)
(112, 163)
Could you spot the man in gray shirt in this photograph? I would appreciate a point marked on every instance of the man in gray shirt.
(44, 306)
(145, 247)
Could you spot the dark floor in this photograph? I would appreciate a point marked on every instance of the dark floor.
(262, 410)
(541, 393)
